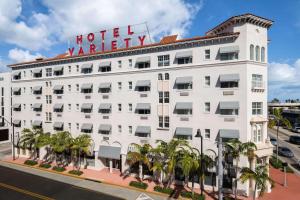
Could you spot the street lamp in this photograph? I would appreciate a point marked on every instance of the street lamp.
(202, 161)
(13, 135)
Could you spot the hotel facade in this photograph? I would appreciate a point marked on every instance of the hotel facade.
(215, 84)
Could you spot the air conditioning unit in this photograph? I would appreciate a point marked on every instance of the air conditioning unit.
(87, 116)
(59, 97)
(229, 119)
(184, 93)
(226, 93)
(184, 119)
(105, 117)
(105, 138)
(144, 117)
(105, 96)
(87, 97)
(38, 97)
(143, 95)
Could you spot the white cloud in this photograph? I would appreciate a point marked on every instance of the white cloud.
(19, 55)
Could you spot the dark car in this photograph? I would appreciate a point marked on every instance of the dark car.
(286, 152)
(273, 141)
(294, 139)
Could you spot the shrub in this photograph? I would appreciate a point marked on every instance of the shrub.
(58, 169)
(163, 190)
(30, 162)
(278, 165)
(45, 165)
(197, 196)
(137, 184)
(76, 172)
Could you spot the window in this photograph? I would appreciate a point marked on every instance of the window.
(69, 125)
(257, 108)
(59, 72)
(69, 107)
(163, 60)
(167, 121)
(48, 72)
(229, 111)
(262, 57)
(130, 129)
(77, 126)
(130, 85)
(130, 62)
(160, 122)
(229, 56)
(143, 65)
(251, 52)
(167, 77)
(48, 99)
(257, 133)
(207, 107)
(163, 122)
(186, 60)
(77, 87)
(166, 97)
(77, 107)
(160, 77)
(120, 128)
(257, 81)
(120, 85)
(120, 64)
(257, 53)
(69, 88)
(130, 107)
(119, 107)
(207, 54)
(184, 86)
(160, 97)
(207, 133)
(77, 68)
(24, 105)
(24, 72)
(70, 69)
(50, 117)
(207, 81)
(230, 84)
(105, 69)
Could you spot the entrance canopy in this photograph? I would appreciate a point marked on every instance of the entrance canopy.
(109, 152)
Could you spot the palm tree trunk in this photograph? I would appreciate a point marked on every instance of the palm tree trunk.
(140, 170)
(235, 181)
(193, 187)
(254, 193)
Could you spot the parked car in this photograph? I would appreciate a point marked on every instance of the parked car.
(286, 152)
(296, 128)
(294, 139)
(273, 141)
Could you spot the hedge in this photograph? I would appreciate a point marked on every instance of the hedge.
(163, 190)
(278, 165)
(137, 184)
(58, 169)
(45, 165)
(30, 162)
(76, 172)
(197, 196)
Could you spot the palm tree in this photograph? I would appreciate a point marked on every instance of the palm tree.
(158, 164)
(60, 142)
(80, 145)
(44, 140)
(139, 155)
(30, 140)
(259, 175)
(188, 161)
(277, 121)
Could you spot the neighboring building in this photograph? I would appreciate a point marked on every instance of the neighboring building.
(284, 106)
(293, 115)
(215, 83)
(5, 105)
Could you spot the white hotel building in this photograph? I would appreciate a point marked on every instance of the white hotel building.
(216, 83)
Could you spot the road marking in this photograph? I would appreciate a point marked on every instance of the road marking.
(25, 192)
(143, 196)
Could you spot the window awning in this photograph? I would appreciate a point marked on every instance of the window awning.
(37, 71)
(229, 105)
(184, 131)
(109, 152)
(37, 123)
(229, 49)
(229, 77)
(58, 125)
(16, 105)
(229, 133)
(184, 80)
(105, 64)
(145, 59)
(58, 68)
(16, 73)
(105, 106)
(184, 54)
(105, 127)
(105, 85)
(143, 129)
(17, 122)
(87, 66)
(37, 88)
(143, 106)
(143, 83)
(58, 106)
(87, 86)
(16, 89)
(37, 105)
(58, 87)
(184, 106)
(87, 126)
(87, 106)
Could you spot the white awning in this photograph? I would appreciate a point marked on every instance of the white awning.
(86, 106)
(229, 77)
(145, 59)
(184, 131)
(58, 68)
(184, 106)
(16, 89)
(87, 86)
(184, 80)
(16, 105)
(58, 87)
(105, 127)
(58, 106)
(16, 73)
(37, 123)
(143, 106)
(109, 152)
(37, 71)
(87, 66)
(184, 54)
(229, 49)
(37, 88)
(105, 106)
(17, 122)
(106, 85)
(37, 106)
(229, 133)
(58, 125)
(224, 105)
(87, 126)
(143, 129)
(105, 64)
(143, 83)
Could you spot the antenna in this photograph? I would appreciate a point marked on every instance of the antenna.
(148, 31)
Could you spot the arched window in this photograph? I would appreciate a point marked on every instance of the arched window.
(257, 133)
(262, 57)
(160, 77)
(167, 77)
(251, 52)
(257, 54)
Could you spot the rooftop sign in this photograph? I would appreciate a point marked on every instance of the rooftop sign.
(109, 40)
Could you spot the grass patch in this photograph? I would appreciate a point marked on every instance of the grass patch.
(30, 162)
(59, 169)
(163, 190)
(189, 195)
(76, 172)
(278, 165)
(140, 185)
(45, 165)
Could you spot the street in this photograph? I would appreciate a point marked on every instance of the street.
(17, 185)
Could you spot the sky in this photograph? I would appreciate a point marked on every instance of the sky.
(40, 28)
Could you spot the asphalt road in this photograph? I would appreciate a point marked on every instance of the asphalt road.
(17, 185)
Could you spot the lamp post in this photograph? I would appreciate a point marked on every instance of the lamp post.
(284, 169)
(202, 161)
(13, 135)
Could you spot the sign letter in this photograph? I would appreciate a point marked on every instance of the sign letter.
(141, 39)
(71, 51)
(79, 39)
(92, 48)
(91, 37)
(114, 45)
(129, 30)
(116, 32)
(126, 40)
(80, 52)
(103, 34)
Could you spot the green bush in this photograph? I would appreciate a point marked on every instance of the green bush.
(58, 169)
(163, 190)
(76, 172)
(197, 196)
(45, 165)
(137, 184)
(278, 165)
(30, 162)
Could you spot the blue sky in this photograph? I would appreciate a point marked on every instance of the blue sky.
(32, 28)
